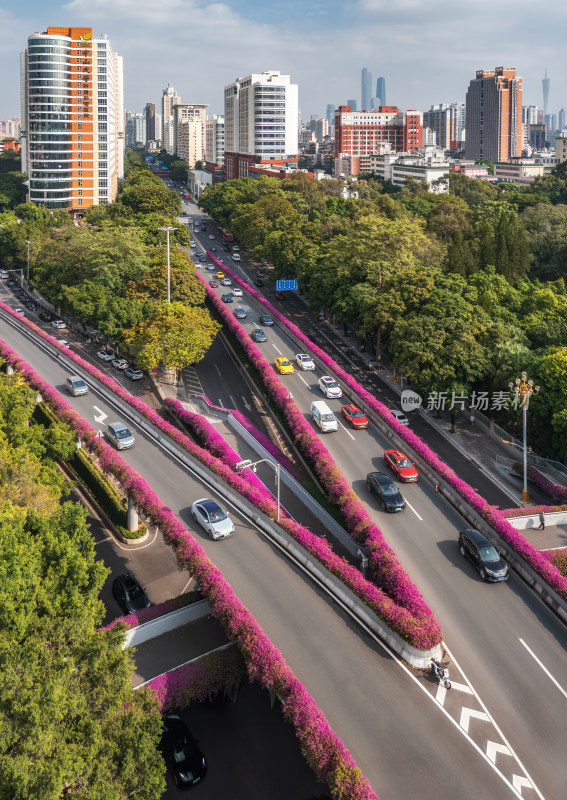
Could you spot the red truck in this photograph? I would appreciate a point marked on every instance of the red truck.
(227, 236)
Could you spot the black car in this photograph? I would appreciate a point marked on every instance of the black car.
(227, 298)
(181, 752)
(265, 319)
(45, 316)
(485, 557)
(388, 494)
(259, 335)
(258, 283)
(129, 594)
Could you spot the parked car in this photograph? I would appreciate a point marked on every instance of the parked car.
(329, 386)
(386, 491)
(265, 319)
(239, 313)
(399, 416)
(259, 335)
(258, 283)
(226, 298)
(45, 316)
(120, 363)
(58, 324)
(279, 295)
(401, 466)
(212, 518)
(133, 374)
(304, 361)
(4, 274)
(129, 594)
(120, 435)
(106, 355)
(484, 556)
(181, 752)
(76, 385)
(284, 365)
(63, 342)
(354, 415)
(20, 311)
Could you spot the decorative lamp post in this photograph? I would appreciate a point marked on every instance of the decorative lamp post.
(523, 390)
(168, 230)
(274, 465)
(28, 270)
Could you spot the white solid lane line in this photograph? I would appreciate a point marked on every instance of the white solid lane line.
(275, 348)
(304, 381)
(348, 433)
(547, 672)
(409, 505)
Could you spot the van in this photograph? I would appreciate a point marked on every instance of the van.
(76, 385)
(323, 416)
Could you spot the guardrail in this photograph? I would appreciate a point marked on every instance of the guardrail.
(420, 659)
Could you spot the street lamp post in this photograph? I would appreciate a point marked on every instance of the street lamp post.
(28, 270)
(274, 465)
(168, 230)
(524, 389)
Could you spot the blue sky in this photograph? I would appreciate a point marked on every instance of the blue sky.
(427, 51)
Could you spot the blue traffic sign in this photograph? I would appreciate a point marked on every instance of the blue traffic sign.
(282, 286)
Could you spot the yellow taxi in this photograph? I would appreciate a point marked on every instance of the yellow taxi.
(220, 275)
(283, 365)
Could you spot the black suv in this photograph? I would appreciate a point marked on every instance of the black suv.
(475, 546)
(388, 494)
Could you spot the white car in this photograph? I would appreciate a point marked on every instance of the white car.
(62, 342)
(211, 236)
(212, 518)
(20, 311)
(226, 282)
(105, 355)
(237, 292)
(58, 324)
(120, 363)
(399, 416)
(304, 361)
(235, 257)
(329, 386)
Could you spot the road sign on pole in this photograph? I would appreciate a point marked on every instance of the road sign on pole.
(286, 286)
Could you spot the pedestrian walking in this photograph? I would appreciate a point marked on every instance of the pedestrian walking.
(541, 526)
(471, 419)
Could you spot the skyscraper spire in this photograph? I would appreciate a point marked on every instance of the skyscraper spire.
(545, 86)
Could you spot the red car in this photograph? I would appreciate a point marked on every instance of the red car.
(214, 284)
(354, 415)
(279, 295)
(401, 465)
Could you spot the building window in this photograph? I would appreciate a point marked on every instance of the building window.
(80, 173)
(80, 202)
(80, 192)
(79, 183)
(79, 163)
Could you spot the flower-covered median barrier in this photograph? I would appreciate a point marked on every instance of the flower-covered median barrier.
(414, 624)
(321, 747)
(554, 490)
(386, 571)
(559, 559)
(530, 511)
(154, 612)
(490, 514)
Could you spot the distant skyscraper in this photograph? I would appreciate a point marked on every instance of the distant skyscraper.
(381, 91)
(447, 122)
(352, 103)
(150, 115)
(494, 115)
(72, 119)
(169, 99)
(562, 119)
(330, 115)
(545, 86)
(366, 89)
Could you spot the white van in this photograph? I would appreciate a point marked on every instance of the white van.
(323, 416)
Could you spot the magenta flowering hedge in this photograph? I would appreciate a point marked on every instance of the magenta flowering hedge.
(508, 513)
(559, 559)
(199, 680)
(490, 513)
(154, 612)
(554, 490)
(386, 570)
(323, 750)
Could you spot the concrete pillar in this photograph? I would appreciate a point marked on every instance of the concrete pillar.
(133, 522)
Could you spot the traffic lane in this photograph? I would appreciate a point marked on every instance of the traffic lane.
(251, 752)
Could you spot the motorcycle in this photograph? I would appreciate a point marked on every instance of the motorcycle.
(441, 673)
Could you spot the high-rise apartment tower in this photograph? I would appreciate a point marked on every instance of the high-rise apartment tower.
(365, 89)
(260, 122)
(72, 119)
(381, 91)
(494, 115)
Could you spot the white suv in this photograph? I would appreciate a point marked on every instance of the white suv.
(329, 386)
(304, 361)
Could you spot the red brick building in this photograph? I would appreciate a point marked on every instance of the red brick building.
(361, 133)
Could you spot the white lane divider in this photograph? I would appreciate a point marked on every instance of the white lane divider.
(544, 668)
(301, 378)
(275, 348)
(409, 505)
(493, 748)
(348, 433)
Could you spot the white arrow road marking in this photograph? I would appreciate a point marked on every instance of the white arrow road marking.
(441, 692)
(493, 748)
(461, 687)
(519, 783)
(468, 713)
(101, 415)
(409, 505)
(547, 672)
(345, 430)
(246, 405)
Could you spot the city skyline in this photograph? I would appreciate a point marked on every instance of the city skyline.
(201, 48)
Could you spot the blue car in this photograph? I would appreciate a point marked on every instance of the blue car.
(226, 298)
(265, 319)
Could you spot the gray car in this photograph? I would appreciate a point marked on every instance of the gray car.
(76, 385)
(120, 435)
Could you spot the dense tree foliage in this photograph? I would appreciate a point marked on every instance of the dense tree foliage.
(70, 724)
(462, 289)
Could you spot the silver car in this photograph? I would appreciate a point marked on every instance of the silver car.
(212, 518)
(76, 385)
(304, 361)
(329, 386)
(120, 435)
